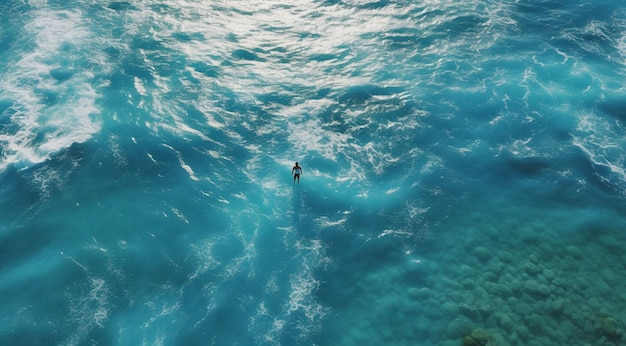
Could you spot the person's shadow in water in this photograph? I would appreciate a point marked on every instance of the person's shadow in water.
(295, 201)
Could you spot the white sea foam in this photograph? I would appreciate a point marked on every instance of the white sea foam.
(603, 144)
(394, 232)
(183, 164)
(54, 103)
(206, 260)
(141, 89)
(325, 222)
(301, 300)
(88, 310)
(180, 215)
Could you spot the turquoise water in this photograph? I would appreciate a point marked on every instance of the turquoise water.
(463, 172)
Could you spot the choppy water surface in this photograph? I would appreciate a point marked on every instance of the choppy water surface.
(463, 172)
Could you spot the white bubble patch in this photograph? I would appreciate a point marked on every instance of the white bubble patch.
(601, 141)
(52, 101)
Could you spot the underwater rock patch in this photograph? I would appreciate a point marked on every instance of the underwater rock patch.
(534, 288)
(608, 326)
(482, 253)
(478, 337)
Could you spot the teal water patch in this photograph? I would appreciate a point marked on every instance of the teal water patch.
(494, 272)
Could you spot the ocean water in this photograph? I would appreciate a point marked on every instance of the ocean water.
(464, 172)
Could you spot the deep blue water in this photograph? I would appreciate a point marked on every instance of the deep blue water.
(464, 167)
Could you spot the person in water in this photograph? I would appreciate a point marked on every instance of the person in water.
(296, 171)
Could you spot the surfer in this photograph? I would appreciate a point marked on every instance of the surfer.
(296, 171)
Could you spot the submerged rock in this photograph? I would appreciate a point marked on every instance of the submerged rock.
(608, 326)
(482, 253)
(505, 256)
(458, 328)
(468, 341)
(478, 337)
(534, 288)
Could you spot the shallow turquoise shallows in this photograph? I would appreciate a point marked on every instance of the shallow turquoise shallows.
(463, 172)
